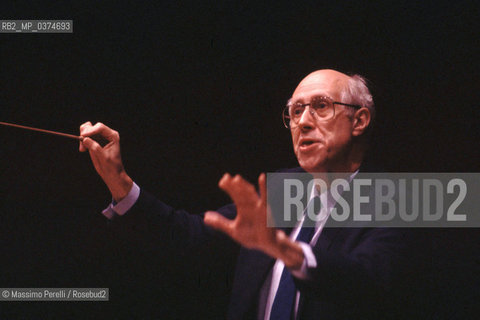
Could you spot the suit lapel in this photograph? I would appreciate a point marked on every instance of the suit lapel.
(330, 233)
(327, 237)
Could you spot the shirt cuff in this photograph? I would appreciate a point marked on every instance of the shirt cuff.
(309, 261)
(124, 205)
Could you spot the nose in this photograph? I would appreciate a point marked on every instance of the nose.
(307, 120)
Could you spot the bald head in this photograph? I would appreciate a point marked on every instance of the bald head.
(326, 80)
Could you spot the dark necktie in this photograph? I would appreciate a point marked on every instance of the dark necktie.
(282, 307)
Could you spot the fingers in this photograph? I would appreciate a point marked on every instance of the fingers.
(95, 151)
(240, 190)
(219, 222)
(87, 130)
(91, 145)
(81, 147)
(85, 124)
(262, 186)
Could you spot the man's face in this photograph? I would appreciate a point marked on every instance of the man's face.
(322, 146)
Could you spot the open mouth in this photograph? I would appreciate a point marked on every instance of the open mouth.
(307, 143)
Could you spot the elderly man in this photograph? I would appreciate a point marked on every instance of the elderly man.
(327, 273)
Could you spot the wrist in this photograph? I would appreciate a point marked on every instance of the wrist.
(291, 253)
(121, 187)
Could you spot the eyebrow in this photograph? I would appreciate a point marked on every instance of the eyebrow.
(302, 100)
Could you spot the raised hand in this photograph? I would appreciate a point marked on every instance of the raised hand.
(107, 160)
(249, 228)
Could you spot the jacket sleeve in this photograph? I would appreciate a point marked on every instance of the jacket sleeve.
(151, 223)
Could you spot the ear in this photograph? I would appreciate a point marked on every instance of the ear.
(361, 121)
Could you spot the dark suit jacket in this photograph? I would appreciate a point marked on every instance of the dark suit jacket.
(356, 275)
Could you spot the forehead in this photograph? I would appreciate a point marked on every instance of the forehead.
(321, 83)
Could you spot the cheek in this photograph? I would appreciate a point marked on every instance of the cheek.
(336, 140)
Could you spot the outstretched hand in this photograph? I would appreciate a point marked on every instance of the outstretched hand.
(249, 228)
(107, 160)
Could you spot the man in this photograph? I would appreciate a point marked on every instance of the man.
(331, 273)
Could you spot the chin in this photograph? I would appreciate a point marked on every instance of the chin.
(311, 167)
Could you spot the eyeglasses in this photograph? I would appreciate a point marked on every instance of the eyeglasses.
(321, 108)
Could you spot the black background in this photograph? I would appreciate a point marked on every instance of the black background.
(196, 89)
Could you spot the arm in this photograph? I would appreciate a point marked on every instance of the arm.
(153, 221)
(152, 237)
(148, 216)
(248, 228)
